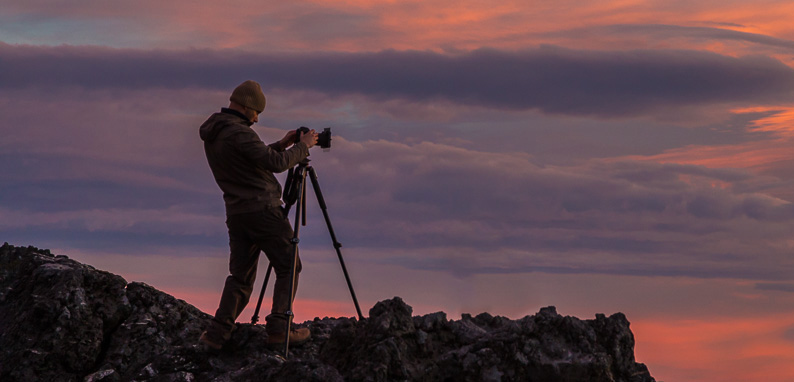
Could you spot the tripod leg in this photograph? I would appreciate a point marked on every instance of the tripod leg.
(255, 317)
(318, 193)
(303, 207)
(301, 179)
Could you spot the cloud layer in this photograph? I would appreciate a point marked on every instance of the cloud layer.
(550, 79)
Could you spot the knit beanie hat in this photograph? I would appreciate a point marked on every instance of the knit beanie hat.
(249, 94)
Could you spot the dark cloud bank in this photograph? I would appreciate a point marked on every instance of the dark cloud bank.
(551, 79)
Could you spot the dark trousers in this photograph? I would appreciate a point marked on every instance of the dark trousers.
(267, 230)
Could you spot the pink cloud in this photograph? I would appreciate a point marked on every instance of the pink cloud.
(771, 157)
(728, 349)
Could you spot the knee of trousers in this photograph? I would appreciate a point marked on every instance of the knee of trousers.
(283, 266)
(284, 273)
(241, 282)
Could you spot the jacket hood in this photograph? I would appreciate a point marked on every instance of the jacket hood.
(210, 129)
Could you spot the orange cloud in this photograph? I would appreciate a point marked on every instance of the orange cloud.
(780, 122)
(763, 17)
(754, 155)
(772, 156)
(439, 25)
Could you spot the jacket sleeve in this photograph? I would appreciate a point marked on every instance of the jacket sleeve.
(256, 151)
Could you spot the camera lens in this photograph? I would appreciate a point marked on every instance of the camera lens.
(324, 138)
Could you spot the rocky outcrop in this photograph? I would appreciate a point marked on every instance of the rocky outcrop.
(61, 320)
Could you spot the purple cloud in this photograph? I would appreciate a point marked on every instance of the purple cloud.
(550, 79)
(778, 287)
(475, 212)
(438, 207)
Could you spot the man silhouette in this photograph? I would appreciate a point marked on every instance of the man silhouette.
(243, 167)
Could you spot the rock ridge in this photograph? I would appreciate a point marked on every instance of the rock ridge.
(61, 320)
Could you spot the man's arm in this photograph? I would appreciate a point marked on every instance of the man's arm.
(270, 159)
(285, 142)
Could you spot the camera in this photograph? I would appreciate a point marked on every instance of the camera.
(323, 139)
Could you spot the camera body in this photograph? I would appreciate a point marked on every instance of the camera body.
(323, 139)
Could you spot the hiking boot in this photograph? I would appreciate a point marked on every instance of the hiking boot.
(209, 344)
(296, 337)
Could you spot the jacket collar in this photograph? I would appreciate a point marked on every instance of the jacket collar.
(226, 110)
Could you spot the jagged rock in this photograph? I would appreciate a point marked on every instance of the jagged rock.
(65, 321)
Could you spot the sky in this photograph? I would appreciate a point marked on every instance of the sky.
(597, 156)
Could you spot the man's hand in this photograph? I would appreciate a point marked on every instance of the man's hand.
(310, 138)
(288, 139)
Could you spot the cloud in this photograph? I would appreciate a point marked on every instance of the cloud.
(466, 212)
(114, 131)
(770, 157)
(665, 32)
(472, 212)
(369, 26)
(550, 79)
(172, 220)
(779, 287)
(83, 170)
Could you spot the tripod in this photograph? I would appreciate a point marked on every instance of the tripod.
(295, 193)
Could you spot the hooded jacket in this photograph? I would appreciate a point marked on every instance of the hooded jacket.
(243, 165)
